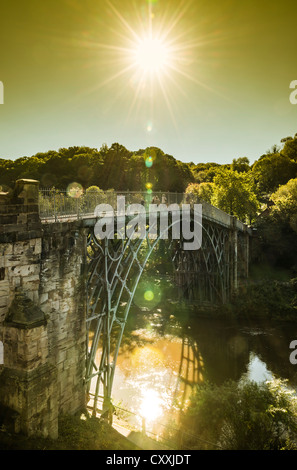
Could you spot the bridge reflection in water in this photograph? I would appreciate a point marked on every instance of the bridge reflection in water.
(153, 381)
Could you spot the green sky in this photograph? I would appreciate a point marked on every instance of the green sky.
(68, 76)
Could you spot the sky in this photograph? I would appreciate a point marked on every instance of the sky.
(205, 81)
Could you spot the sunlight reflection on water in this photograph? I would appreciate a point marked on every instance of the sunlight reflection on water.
(151, 380)
(156, 372)
(257, 370)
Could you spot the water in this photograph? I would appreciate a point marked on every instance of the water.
(163, 356)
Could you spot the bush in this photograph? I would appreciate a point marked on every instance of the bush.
(245, 416)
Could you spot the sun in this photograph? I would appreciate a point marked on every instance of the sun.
(152, 55)
(152, 60)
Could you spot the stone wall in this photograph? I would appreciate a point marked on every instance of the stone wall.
(61, 297)
(42, 315)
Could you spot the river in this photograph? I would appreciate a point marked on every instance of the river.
(165, 353)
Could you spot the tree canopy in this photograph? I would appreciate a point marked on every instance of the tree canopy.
(238, 188)
(114, 167)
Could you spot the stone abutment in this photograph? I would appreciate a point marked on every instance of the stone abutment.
(42, 316)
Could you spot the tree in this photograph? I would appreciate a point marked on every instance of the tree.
(204, 191)
(271, 171)
(285, 203)
(94, 190)
(290, 148)
(277, 228)
(246, 416)
(241, 164)
(234, 194)
(115, 167)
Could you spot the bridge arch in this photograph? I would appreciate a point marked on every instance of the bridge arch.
(114, 271)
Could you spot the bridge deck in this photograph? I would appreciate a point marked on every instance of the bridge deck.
(62, 208)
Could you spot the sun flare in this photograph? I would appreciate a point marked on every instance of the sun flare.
(150, 59)
(151, 405)
(152, 55)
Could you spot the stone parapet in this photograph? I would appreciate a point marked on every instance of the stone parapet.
(19, 212)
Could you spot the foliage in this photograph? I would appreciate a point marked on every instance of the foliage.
(114, 167)
(290, 148)
(205, 172)
(266, 297)
(285, 203)
(244, 416)
(271, 171)
(204, 191)
(242, 165)
(277, 228)
(236, 188)
(94, 190)
(233, 193)
(231, 190)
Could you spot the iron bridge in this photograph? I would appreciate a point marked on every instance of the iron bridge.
(114, 268)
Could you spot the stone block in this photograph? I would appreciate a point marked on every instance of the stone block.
(33, 396)
(43, 298)
(25, 349)
(4, 301)
(3, 313)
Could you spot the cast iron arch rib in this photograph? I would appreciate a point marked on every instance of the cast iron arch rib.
(109, 276)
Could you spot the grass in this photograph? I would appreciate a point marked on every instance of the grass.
(74, 434)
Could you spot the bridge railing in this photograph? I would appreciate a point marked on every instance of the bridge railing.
(74, 204)
(61, 204)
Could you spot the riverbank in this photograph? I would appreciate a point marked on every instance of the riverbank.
(270, 293)
(75, 433)
(272, 299)
(255, 299)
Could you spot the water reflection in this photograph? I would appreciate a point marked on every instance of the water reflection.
(257, 370)
(155, 379)
(163, 356)
(151, 405)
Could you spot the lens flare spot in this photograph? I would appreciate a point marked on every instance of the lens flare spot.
(74, 190)
(149, 164)
(149, 295)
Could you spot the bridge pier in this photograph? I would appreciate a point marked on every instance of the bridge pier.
(28, 381)
(246, 260)
(239, 255)
(234, 257)
(42, 316)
